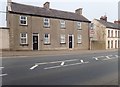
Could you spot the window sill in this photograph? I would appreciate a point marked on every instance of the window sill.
(79, 43)
(23, 25)
(46, 26)
(47, 43)
(79, 29)
(62, 43)
(62, 27)
(24, 44)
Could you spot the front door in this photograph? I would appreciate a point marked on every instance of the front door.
(35, 42)
(70, 41)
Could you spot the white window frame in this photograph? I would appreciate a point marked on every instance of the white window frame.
(24, 19)
(46, 22)
(46, 39)
(79, 25)
(79, 37)
(62, 23)
(21, 37)
(62, 39)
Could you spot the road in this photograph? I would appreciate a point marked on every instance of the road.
(70, 69)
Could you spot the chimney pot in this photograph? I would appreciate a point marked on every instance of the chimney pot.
(46, 5)
(104, 18)
(79, 11)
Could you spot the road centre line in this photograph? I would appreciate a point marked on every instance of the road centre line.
(53, 67)
(56, 62)
(33, 67)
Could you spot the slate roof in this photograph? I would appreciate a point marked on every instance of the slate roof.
(109, 24)
(41, 11)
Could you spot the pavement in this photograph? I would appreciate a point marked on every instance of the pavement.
(6, 54)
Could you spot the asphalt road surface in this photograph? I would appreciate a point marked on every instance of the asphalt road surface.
(71, 69)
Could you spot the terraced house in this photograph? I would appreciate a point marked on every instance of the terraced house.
(43, 28)
(106, 34)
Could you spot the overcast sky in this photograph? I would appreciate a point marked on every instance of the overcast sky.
(91, 8)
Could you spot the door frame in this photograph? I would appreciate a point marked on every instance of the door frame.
(72, 41)
(35, 34)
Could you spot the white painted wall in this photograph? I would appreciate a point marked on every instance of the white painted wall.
(110, 39)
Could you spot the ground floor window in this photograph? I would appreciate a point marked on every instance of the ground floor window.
(79, 38)
(23, 38)
(108, 44)
(62, 38)
(111, 43)
(115, 43)
(46, 38)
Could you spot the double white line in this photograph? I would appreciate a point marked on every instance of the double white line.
(61, 64)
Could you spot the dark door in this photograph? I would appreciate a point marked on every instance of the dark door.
(35, 42)
(70, 41)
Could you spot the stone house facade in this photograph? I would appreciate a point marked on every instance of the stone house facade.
(43, 28)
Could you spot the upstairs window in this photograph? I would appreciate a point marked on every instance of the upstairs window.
(108, 33)
(79, 25)
(91, 26)
(79, 38)
(116, 33)
(62, 23)
(46, 22)
(23, 38)
(62, 38)
(46, 38)
(23, 20)
(111, 33)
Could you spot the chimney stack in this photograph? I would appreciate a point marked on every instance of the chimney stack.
(117, 22)
(104, 18)
(9, 5)
(46, 5)
(79, 11)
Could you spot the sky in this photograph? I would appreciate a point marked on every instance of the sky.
(92, 9)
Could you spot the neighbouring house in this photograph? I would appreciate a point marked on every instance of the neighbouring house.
(43, 28)
(104, 34)
(4, 38)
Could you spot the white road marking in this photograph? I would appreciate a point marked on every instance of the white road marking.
(56, 62)
(116, 56)
(3, 75)
(64, 65)
(108, 57)
(33, 67)
(1, 68)
(81, 61)
(97, 58)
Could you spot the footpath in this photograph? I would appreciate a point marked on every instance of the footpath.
(46, 53)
